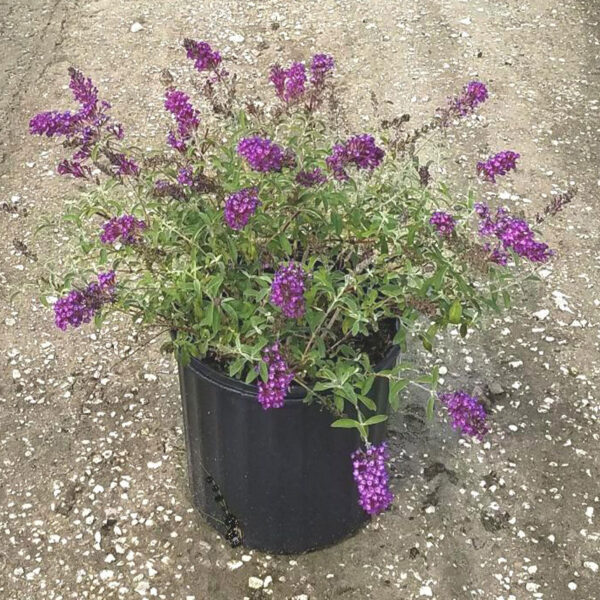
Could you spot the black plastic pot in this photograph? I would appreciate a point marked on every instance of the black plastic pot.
(278, 480)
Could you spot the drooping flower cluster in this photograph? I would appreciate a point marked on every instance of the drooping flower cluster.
(239, 207)
(513, 234)
(311, 178)
(80, 306)
(168, 189)
(264, 155)
(499, 164)
(287, 290)
(83, 129)
(443, 222)
(204, 57)
(125, 229)
(289, 83)
(122, 165)
(179, 105)
(359, 150)
(372, 479)
(474, 93)
(467, 414)
(555, 205)
(320, 66)
(272, 393)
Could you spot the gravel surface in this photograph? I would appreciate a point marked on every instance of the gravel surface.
(93, 494)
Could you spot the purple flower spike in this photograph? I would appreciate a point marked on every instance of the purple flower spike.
(499, 164)
(443, 222)
(359, 150)
(71, 167)
(125, 229)
(372, 479)
(186, 116)
(80, 306)
(204, 57)
(466, 413)
(53, 123)
(272, 393)
(320, 66)
(311, 178)
(239, 207)
(472, 96)
(287, 290)
(513, 234)
(289, 83)
(262, 154)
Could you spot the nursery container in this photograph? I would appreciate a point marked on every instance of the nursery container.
(283, 475)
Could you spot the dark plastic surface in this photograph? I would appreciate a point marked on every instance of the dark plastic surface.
(285, 474)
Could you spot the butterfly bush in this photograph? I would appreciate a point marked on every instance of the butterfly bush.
(288, 249)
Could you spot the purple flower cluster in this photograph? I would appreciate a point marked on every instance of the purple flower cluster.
(472, 96)
(372, 479)
(359, 150)
(443, 222)
(499, 164)
(125, 229)
(466, 412)
(79, 306)
(72, 167)
(272, 393)
(121, 165)
(185, 176)
(287, 290)
(239, 207)
(83, 129)
(186, 116)
(320, 66)
(204, 57)
(311, 178)
(289, 83)
(512, 233)
(264, 155)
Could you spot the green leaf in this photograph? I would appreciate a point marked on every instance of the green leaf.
(430, 405)
(285, 245)
(455, 312)
(264, 371)
(368, 402)
(374, 420)
(394, 390)
(346, 424)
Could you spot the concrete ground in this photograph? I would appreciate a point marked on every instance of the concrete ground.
(93, 494)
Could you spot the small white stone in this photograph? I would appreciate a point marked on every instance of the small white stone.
(267, 581)
(135, 27)
(541, 314)
(425, 591)
(591, 565)
(106, 574)
(142, 587)
(255, 583)
(232, 565)
(572, 586)
(236, 38)
(154, 465)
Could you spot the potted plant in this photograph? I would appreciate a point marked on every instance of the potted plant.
(290, 263)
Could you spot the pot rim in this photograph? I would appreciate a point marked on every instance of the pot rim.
(296, 393)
